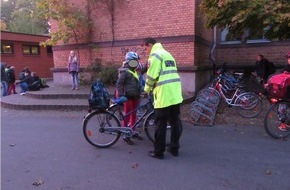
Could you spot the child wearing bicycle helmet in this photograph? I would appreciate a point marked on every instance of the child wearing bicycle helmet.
(128, 87)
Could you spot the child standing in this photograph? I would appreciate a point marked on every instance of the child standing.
(128, 86)
(73, 69)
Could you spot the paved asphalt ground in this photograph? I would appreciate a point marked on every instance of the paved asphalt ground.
(46, 150)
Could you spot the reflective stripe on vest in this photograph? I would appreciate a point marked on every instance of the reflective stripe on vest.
(151, 81)
(134, 73)
(157, 56)
(167, 81)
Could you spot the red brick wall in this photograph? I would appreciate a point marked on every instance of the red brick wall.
(178, 25)
(170, 22)
(246, 54)
(40, 64)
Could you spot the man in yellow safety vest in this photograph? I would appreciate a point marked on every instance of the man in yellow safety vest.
(163, 80)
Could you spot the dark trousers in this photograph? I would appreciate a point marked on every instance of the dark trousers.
(163, 115)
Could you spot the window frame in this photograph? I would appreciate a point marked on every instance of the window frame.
(246, 34)
(7, 44)
(223, 33)
(30, 49)
(263, 39)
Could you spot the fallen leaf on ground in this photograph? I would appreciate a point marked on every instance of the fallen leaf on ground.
(135, 165)
(268, 172)
(38, 182)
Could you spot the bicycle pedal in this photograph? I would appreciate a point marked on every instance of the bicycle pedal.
(138, 137)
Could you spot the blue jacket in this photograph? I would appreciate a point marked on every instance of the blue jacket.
(3, 73)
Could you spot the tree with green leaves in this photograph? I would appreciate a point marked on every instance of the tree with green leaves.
(7, 7)
(273, 16)
(21, 16)
(72, 21)
(3, 25)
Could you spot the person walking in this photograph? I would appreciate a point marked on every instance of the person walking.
(11, 79)
(163, 80)
(73, 69)
(4, 79)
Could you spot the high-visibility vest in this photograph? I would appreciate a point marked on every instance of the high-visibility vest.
(163, 78)
(134, 73)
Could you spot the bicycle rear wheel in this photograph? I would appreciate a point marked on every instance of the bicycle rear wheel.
(248, 104)
(210, 94)
(272, 122)
(94, 125)
(149, 128)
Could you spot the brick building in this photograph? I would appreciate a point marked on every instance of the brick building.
(23, 50)
(178, 25)
(242, 51)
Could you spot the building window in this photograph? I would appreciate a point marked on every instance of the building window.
(7, 48)
(228, 37)
(251, 36)
(49, 49)
(256, 36)
(31, 49)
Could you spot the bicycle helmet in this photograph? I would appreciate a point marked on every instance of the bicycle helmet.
(131, 56)
(132, 59)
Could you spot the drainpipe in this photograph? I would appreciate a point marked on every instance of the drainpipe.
(212, 50)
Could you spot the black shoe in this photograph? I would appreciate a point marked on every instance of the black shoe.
(152, 154)
(137, 136)
(173, 153)
(128, 141)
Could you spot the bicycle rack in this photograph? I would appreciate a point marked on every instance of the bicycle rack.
(203, 108)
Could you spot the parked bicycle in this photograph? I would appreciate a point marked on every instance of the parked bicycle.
(247, 104)
(277, 119)
(103, 128)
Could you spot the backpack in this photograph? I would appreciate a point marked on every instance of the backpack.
(99, 97)
(278, 86)
(43, 83)
(271, 68)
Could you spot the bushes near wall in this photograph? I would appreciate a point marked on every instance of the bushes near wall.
(106, 71)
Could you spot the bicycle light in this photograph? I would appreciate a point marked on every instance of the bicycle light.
(273, 100)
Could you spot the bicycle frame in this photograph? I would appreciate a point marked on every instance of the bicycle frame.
(229, 101)
(127, 131)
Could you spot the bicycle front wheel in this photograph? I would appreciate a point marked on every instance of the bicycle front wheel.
(272, 122)
(248, 104)
(94, 129)
(149, 128)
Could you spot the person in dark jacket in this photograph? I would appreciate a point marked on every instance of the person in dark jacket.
(11, 80)
(4, 79)
(129, 87)
(22, 73)
(36, 82)
(262, 68)
(30, 82)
